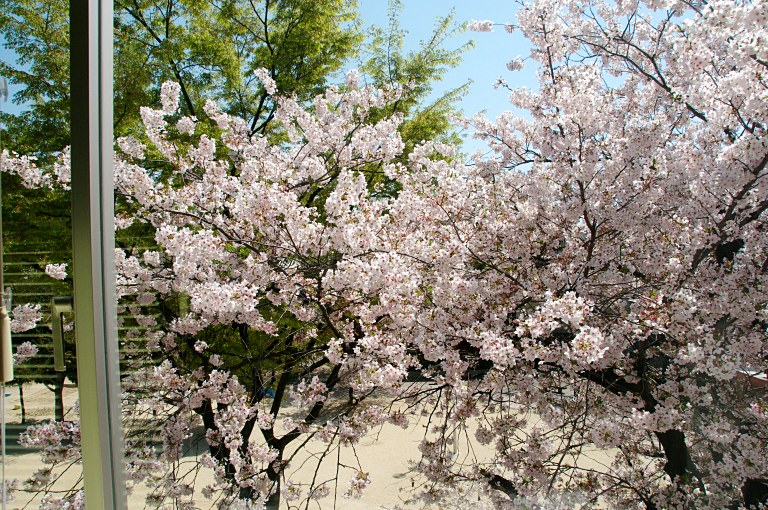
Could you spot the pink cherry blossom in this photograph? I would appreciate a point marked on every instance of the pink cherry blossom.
(56, 271)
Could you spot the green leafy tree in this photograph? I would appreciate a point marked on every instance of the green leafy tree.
(38, 32)
(213, 48)
(210, 48)
(386, 62)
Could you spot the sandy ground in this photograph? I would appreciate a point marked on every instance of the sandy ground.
(384, 455)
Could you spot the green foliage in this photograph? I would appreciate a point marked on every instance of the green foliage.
(213, 48)
(386, 63)
(302, 43)
(210, 48)
(38, 31)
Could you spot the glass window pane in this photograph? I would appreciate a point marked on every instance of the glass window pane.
(58, 79)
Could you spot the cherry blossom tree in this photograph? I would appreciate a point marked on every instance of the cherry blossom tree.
(239, 321)
(250, 237)
(598, 281)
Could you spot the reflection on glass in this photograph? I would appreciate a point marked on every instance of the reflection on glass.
(40, 403)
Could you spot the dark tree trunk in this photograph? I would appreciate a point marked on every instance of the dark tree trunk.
(273, 503)
(21, 403)
(679, 463)
(755, 492)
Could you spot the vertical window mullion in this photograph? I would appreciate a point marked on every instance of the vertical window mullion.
(91, 33)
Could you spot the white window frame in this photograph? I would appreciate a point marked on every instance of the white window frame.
(93, 243)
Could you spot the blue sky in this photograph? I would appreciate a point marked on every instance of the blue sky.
(483, 65)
